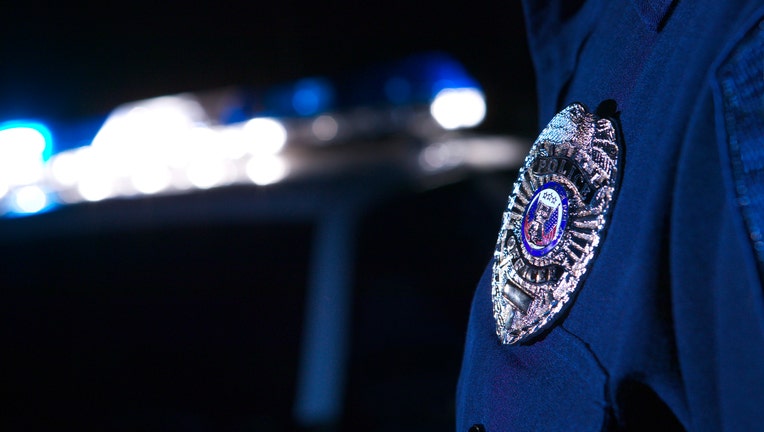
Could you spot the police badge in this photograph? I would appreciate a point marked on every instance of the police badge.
(553, 222)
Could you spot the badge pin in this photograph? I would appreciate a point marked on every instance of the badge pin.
(553, 223)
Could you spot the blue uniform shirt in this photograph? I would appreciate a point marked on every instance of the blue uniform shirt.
(668, 326)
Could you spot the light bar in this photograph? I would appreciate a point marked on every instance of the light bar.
(186, 142)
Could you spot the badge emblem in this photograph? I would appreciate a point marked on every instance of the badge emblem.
(553, 223)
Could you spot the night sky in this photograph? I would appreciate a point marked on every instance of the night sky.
(69, 60)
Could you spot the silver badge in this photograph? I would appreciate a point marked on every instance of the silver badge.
(553, 222)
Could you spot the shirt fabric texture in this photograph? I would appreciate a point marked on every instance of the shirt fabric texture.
(668, 327)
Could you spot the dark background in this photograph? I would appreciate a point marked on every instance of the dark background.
(196, 326)
(74, 59)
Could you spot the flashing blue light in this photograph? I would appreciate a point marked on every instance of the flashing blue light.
(414, 80)
(307, 97)
(312, 96)
(40, 129)
(439, 71)
(445, 73)
(29, 200)
(24, 148)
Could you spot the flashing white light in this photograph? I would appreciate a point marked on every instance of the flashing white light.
(65, 168)
(458, 108)
(150, 123)
(200, 143)
(267, 135)
(153, 129)
(151, 179)
(95, 180)
(325, 127)
(22, 149)
(205, 174)
(86, 169)
(233, 143)
(266, 170)
(29, 199)
(91, 189)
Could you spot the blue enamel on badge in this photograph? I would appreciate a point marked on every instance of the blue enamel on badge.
(545, 219)
(553, 223)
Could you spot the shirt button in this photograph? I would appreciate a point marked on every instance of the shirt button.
(477, 428)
